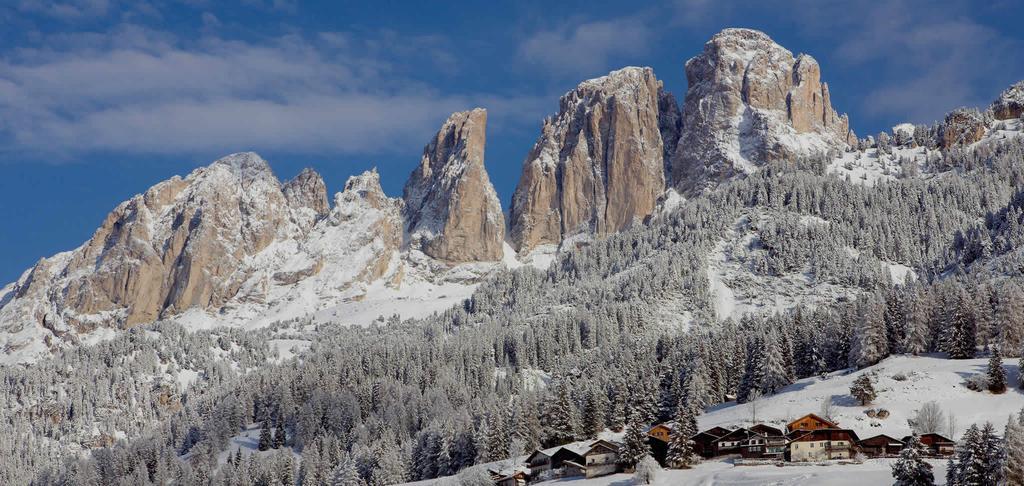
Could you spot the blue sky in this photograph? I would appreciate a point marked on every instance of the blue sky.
(99, 99)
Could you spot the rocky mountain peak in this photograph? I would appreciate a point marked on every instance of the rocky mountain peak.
(1010, 103)
(599, 163)
(749, 102)
(452, 210)
(366, 188)
(245, 166)
(307, 190)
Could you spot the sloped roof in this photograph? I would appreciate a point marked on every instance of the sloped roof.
(816, 417)
(827, 434)
(876, 438)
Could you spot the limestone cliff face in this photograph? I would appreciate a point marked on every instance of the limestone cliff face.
(1010, 103)
(749, 102)
(307, 194)
(962, 127)
(179, 245)
(599, 164)
(452, 210)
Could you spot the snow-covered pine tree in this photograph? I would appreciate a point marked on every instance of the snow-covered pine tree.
(593, 412)
(1013, 466)
(895, 316)
(967, 466)
(561, 418)
(1009, 313)
(996, 374)
(961, 334)
(266, 439)
(992, 453)
(911, 469)
(280, 436)
(777, 374)
(496, 440)
(391, 468)
(311, 470)
(286, 468)
(635, 445)
(870, 342)
(753, 374)
(526, 425)
(445, 446)
(345, 474)
(863, 389)
(680, 446)
(918, 334)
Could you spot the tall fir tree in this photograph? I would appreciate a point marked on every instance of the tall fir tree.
(911, 469)
(561, 418)
(966, 467)
(286, 468)
(346, 474)
(996, 374)
(680, 448)
(593, 412)
(280, 436)
(960, 340)
(635, 445)
(1013, 466)
(777, 373)
(918, 334)
(993, 454)
(754, 371)
(870, 342)
(266, 437)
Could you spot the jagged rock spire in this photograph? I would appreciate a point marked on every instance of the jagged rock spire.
(750, 101)
(452, 210)
(599, 164)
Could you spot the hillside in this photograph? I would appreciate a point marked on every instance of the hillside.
(903, 384)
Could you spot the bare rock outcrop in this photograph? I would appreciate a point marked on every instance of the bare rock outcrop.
(750, 102)
(599, 164)
(179, 245)
(1010, 103)
(962, 126)
(452, 210)
(307, 193)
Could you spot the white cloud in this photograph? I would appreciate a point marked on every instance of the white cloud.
(581, 48)
(66, 9)
(927, 60)
(139, 91)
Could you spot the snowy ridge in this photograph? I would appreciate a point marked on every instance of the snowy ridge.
(276, 262)
(870, 165)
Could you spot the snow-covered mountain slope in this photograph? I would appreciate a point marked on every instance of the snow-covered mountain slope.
(903, 385)
(229, 245)
(870, 165)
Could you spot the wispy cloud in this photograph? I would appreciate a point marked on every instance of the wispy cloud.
(143, 91)
(583, 47)
(927, 60)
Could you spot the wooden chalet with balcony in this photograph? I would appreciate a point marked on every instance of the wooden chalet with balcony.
(810, 422)
(823, 445)
(880, 445)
